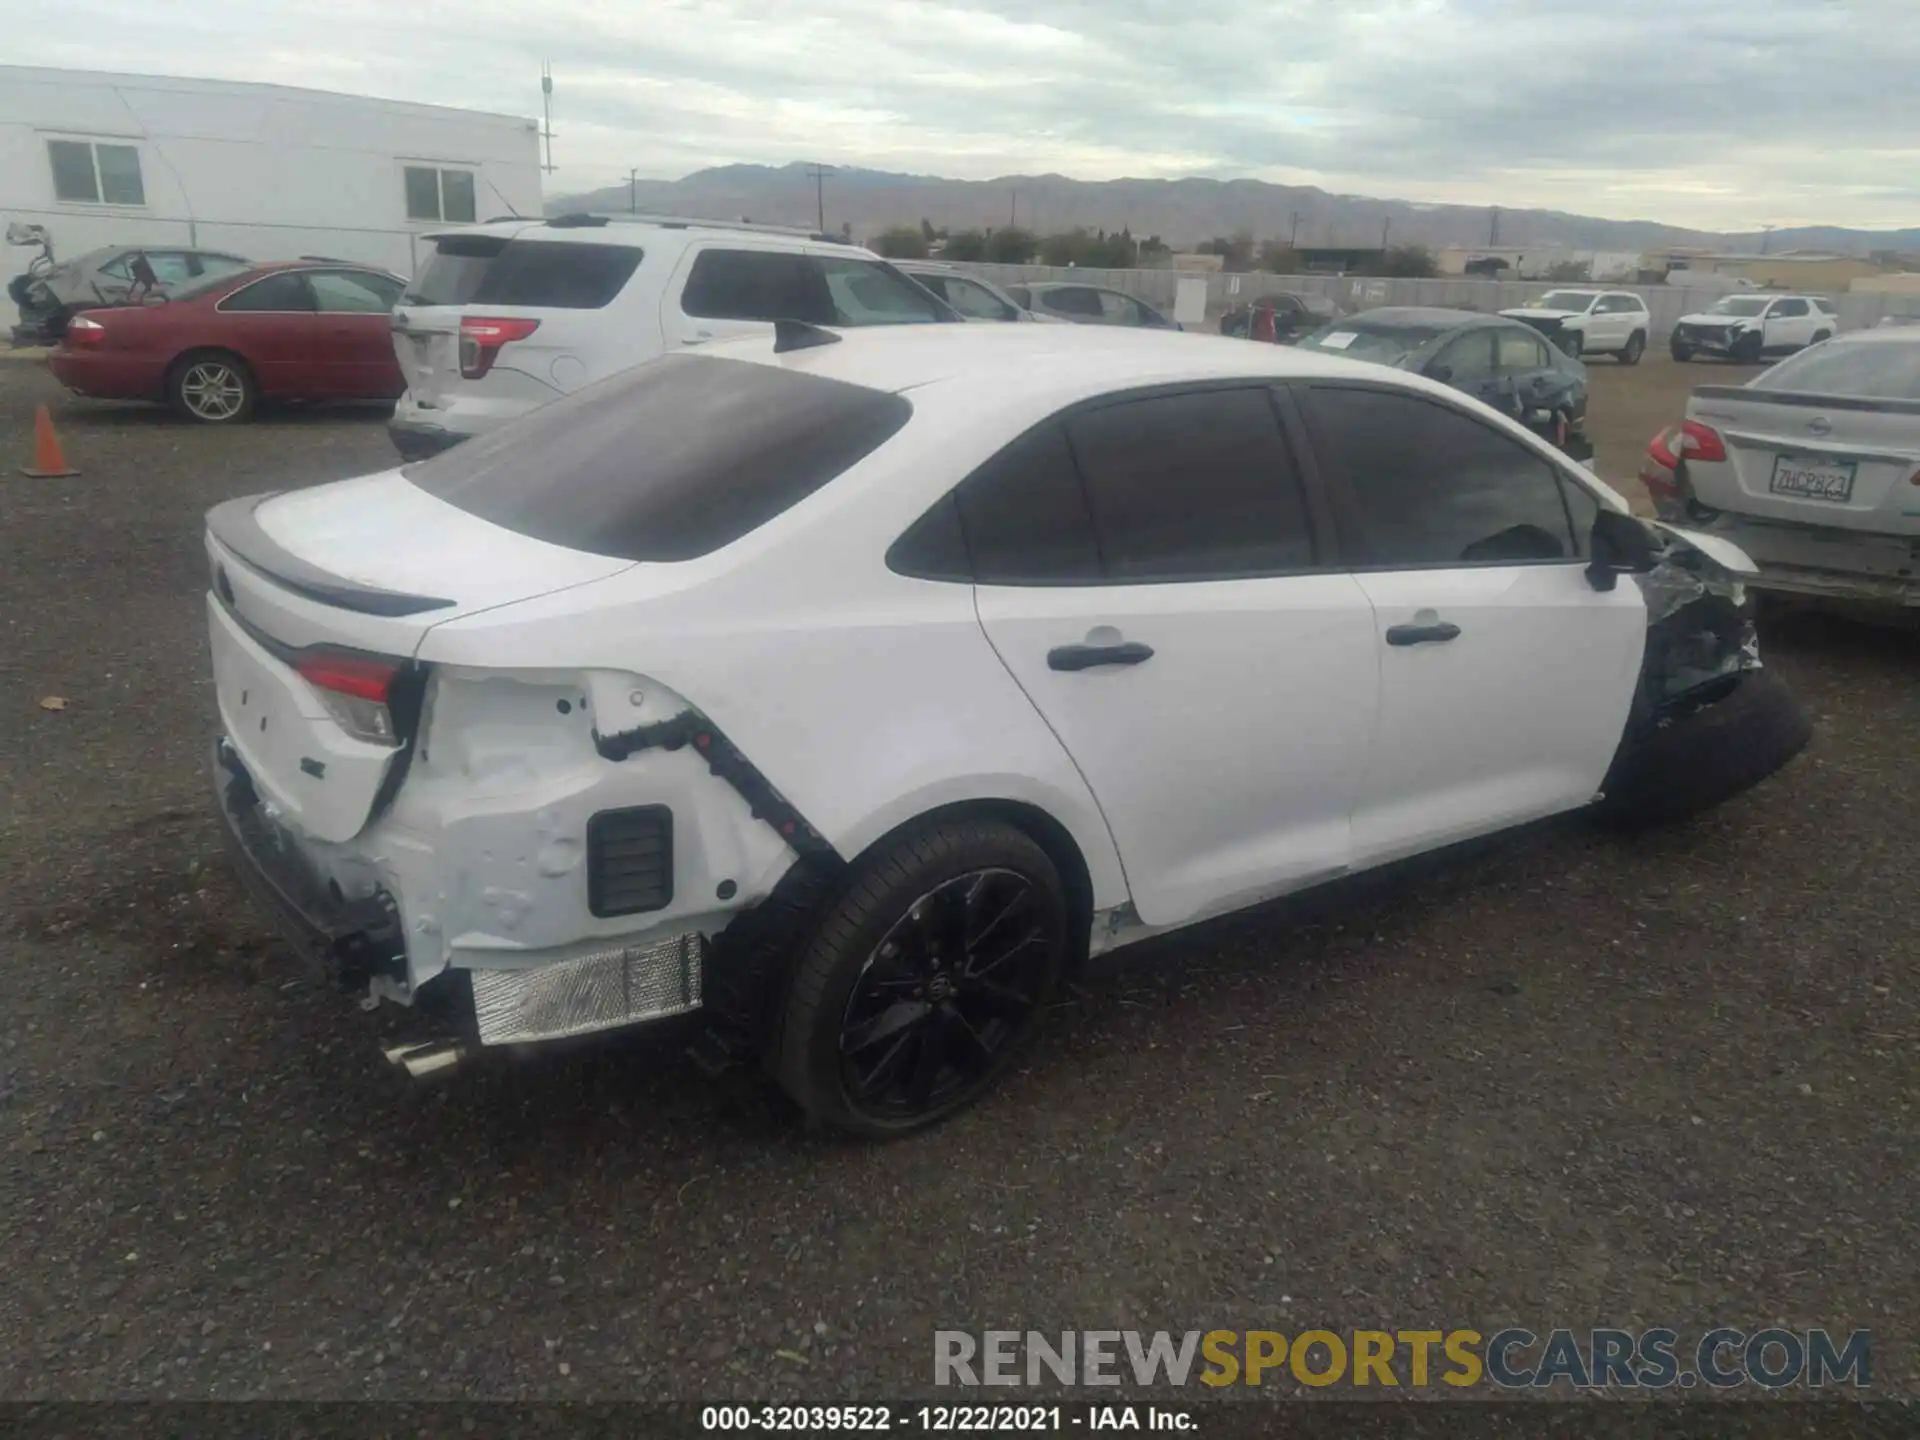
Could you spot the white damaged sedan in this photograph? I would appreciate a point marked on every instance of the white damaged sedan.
(851, 689)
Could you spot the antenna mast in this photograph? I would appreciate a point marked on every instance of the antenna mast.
(546, 104)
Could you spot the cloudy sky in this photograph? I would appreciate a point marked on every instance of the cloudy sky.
(1723, 114)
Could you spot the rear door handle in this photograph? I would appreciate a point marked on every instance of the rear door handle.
(1436, 633)
(1086, 657)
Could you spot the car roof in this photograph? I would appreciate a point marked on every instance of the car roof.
(590, 229)
(1050, 364)
(1422, 317)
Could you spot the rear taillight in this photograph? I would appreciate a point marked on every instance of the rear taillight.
(1656, 470)
(481, 338)
(357, 691)
(1701, 442)
(84, 334)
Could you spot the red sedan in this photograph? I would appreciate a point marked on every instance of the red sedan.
(216, 347)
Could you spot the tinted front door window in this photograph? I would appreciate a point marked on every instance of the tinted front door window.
(1434, 487)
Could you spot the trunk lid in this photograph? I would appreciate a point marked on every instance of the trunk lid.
(1834, 462)
(362, 567)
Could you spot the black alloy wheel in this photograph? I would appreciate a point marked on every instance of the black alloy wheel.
(957, 978)
(924, 978)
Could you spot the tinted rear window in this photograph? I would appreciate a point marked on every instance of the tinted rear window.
(668, 461)
(1874, 370)
(556, 275)
(453, 269)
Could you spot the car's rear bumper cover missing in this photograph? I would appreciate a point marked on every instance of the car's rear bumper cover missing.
(347, 941)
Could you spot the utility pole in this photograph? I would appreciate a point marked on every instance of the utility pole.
(1013, 208)
(1766, 236)
(633, 186)
(1385, 226)
(546, 104)
(1293, 231)
(820, 173)
(1493, 229)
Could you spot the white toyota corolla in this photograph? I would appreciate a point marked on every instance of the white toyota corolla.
(852, 689)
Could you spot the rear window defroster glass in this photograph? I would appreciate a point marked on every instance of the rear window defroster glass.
(668, 461)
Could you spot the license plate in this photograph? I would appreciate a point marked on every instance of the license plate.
(1813, 479)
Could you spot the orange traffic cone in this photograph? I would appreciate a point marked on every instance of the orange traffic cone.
(48, 462)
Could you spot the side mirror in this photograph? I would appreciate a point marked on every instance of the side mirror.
(1620, 545)
(1442, 373)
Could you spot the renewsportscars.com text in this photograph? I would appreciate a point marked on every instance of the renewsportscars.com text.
(1512, 1358)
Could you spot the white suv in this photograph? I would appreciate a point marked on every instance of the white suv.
(1590, 322)
(506, 317)
(854, 689)
(1749, 327)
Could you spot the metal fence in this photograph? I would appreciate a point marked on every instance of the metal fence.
(1665, 303)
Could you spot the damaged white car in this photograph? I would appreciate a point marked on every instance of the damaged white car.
(851, 689)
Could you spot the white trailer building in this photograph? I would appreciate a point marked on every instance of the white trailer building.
(265, 171)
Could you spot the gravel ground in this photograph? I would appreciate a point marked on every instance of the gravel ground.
(1571, 1081)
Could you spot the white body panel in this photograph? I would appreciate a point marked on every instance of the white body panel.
(1516, 718)
(1224, 771)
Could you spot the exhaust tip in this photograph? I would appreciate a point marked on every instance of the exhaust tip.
(421, 1059)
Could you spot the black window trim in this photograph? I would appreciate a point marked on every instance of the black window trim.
(1321, 531)
(1348, 523)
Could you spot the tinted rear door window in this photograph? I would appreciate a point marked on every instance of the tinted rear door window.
(1192, 486)
(1025, 515)
(1075, 300)
(556, 275)
(1434, 487)
(782, 285)
(668, 461)
(276, 292)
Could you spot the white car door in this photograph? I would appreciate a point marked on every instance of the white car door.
(1613, 321)
(1505, 677)
(1148, 571)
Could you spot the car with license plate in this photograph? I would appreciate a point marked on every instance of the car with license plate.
(1590, 322)
(1502, 362)
(849, 690)
(1749, 328)
(1812, 467)
(215, 349)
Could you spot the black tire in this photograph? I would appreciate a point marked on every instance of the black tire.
(1681, 353)
(1636, 347)
(1570, 344)
(883, 965)
(212, 387)
(1746, 350)
(1697, 760)
(1820, 335)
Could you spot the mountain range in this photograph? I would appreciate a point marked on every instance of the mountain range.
(1180, 212)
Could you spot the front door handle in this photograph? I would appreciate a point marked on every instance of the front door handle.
(1436, 633)
(1085, 657)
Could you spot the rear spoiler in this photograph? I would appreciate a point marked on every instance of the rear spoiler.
(1807, 400)
(232, 523)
